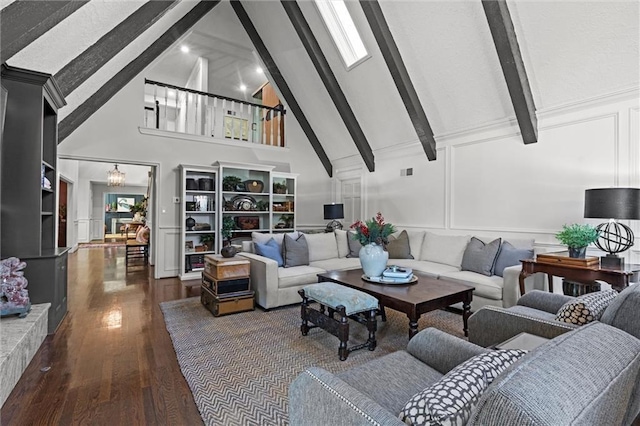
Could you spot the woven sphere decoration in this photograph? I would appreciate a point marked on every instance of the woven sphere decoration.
(614, 237)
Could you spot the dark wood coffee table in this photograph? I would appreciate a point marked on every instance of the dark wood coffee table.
(428, 294)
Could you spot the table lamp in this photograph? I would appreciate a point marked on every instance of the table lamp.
(333, 212)
(613, 204)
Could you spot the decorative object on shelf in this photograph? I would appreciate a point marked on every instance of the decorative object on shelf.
(254, 185)
(205, 184)
(333, 211)
(246, 223)
(190, 206)
(262, 205)
(372, 235)
(279, 188)
(207, 240)
(14, 297)
(115, 177)
(232, 183)
(613, 204)
(190, 223)
(124, 204)
(139, 210)
(286, 220)
(228, 226)
(243, 203)
(191, 184)
(202, 227)
(577, 237)
(204, 203)
(188, 247)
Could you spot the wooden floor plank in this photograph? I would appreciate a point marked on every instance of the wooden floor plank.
(111, 360)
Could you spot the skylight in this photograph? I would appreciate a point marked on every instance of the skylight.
(343, 31)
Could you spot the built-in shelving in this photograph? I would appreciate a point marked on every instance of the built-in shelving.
(29, 186)
(199, 224)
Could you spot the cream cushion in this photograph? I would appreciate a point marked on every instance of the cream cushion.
(447, 249)
(299, 275)
(322, 246)
(343, 244)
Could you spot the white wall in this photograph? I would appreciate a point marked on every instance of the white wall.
(487, 182)
(112, 134)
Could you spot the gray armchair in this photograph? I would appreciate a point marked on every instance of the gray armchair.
(590, 376)
(535, 313)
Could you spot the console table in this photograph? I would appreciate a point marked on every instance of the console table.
(617, 278)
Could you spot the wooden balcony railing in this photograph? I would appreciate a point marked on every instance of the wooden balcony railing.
(179, 109)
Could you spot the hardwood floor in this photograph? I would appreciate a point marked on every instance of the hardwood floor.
(111, 360)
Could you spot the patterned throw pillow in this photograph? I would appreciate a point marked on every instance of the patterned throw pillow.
(586, 308)
(451, 399)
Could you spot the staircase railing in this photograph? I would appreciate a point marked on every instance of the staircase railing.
(179, 109)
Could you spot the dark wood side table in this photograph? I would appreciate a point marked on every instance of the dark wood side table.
(617, 278)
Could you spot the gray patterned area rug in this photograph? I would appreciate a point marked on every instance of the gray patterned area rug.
(239, 366)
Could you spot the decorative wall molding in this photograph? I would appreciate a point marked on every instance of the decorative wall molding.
(83, 231)
(593, 102)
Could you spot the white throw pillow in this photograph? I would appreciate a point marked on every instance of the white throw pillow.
(322, 246)
(343, 244)
(447, 249)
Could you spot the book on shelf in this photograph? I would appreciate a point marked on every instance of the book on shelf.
(397, 272)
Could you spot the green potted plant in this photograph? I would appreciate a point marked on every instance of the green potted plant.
(230, 183)
(228, 225)
(207, 240)
(279, 187)
(139, 210)
(577, 237)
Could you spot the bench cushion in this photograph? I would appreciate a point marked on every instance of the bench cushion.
(334, 295)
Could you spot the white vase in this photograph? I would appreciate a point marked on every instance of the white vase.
(373, 259)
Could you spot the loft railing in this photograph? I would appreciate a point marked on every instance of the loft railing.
(179, 109)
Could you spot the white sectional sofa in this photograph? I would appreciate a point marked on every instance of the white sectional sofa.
(437, 255)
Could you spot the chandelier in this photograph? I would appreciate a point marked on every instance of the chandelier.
(115, 177)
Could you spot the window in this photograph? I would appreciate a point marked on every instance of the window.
(343, 31)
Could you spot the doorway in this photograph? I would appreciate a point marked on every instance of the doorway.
(62, 213)
(351, 192)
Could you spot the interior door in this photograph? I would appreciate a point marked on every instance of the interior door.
(352, 199)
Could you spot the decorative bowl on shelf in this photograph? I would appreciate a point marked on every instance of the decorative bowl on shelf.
(253, 185)
(243, 202)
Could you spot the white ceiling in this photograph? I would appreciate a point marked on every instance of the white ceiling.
(220, 38)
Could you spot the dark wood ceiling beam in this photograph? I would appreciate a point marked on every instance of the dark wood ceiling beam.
(93, 58)
(506, 42)
(400, 75)
(135, 67)
(323, 68)
(281, 84)
(22, 22)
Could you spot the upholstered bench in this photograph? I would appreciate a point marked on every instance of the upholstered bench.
(348, 303)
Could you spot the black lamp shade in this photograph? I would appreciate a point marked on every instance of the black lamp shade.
(612, 203)
(334, 211)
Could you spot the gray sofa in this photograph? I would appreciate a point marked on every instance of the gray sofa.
(589, 376)
(535, 313)
(437, 255)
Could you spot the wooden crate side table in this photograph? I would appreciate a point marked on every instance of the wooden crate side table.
(226, 285)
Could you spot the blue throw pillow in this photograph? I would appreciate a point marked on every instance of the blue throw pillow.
(271, 250)
(510, 256)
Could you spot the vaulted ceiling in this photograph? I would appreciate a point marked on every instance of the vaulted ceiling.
(436, 68)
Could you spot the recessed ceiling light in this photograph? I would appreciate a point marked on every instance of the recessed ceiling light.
(259, 70)
(243, 87)
(184, 49)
